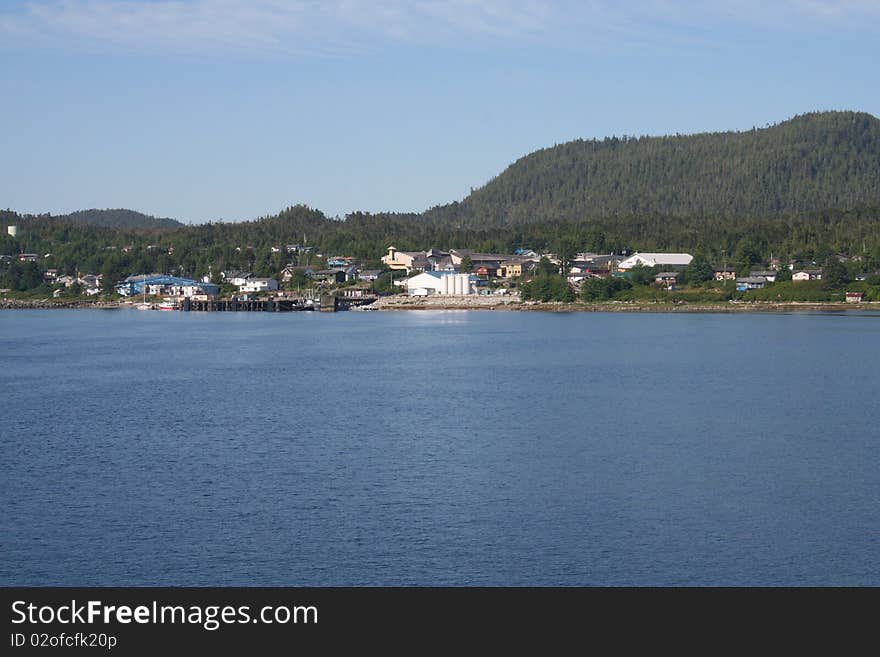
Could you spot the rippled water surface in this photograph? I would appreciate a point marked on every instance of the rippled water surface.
(439, 448)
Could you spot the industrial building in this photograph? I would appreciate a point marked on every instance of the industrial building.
(440, 282)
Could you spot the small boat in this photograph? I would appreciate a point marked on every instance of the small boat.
(144, 305)
(167, 305)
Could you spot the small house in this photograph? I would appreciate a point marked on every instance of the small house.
(768, 274)
(258, 285)
(750, 283)
(854, 297)
(329, 276)
(667, 279)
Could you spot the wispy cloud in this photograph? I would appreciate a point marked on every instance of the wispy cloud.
(341, 25)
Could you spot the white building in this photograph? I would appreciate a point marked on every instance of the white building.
(12, 231)
(236, 278)
(436, 282)
(654, 259)
(259, 285)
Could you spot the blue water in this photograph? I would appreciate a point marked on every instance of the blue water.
(443, 448)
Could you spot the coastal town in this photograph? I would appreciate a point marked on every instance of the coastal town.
(311, 280)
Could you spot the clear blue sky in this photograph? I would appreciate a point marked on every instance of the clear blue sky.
(231, 109)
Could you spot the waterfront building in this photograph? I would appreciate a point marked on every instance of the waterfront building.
(258, 285)
(441, 283)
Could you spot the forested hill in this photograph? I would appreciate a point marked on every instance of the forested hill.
(119, 218)
(813, 162)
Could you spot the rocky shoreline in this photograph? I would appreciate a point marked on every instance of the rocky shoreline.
(401, 302)
(45, 304)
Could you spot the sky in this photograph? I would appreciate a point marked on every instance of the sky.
(222, 110)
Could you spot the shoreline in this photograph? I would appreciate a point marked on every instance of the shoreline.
(510, 305)
(635, 307)
(51, 304)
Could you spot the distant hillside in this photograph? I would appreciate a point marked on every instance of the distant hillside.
(813, 162)
(119, 218)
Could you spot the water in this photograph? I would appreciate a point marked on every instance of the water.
(443, 448)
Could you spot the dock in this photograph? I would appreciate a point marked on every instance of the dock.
(326, 303)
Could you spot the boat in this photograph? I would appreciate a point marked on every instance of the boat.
(144, 305)
(167, 305)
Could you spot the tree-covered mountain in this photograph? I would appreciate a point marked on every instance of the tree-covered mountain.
(119, 218)
(803, 189)
(813, 162)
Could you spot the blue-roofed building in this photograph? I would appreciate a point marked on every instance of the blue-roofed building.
(164, 284)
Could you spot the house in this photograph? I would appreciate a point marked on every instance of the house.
(768, 274)
(288, 272)
(489, 260)
(433, 282)
(866, 275)
(329, 276)
(488, 271)
(91, 284)
(237, 278)
(28, 257)
(258, 285)
(369, 275)
(405, 260)
(807, 275)
(724, 273)
(339, 261)
(854, 297)
(196, 290)
(516, 266)
(349, 272)
(594, 263)
(667, 279)
(66, 281)
(670, 260)
(439, 260)
(50, 275)
(750, 283)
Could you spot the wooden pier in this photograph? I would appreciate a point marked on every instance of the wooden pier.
(247, 305)
(327, 303)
